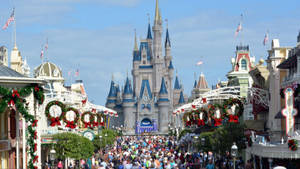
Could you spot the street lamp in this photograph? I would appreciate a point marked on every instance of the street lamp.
(195, 142)
(52, 156)
(234, 151)
(202, 148)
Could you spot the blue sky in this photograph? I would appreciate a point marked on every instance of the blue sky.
(97, 36)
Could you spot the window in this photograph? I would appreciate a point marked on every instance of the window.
(244, 64)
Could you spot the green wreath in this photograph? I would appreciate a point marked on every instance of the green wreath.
(99, 116)
(71, 124)
(92, 119)
(55, 120)
(232, 101)
(212, 110)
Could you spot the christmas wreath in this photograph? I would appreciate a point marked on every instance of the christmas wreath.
(293, 144)
(101, 119)
(55, 112)
(187, 118)
(71, 117)
(87, 121)
(234, 109)
(201, 117)
(217, 113)
(14, 99)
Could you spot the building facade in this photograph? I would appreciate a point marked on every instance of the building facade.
(146, 103)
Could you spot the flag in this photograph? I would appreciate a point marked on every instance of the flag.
(77, 73)
(42, 54)
(239, 28)
(46, 46)
(199, 63)
(266, 39)
(9, 20)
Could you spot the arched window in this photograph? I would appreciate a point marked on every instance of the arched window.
(244, 64)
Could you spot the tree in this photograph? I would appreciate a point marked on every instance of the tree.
(108, 137)
(221, 139)
(73, 146)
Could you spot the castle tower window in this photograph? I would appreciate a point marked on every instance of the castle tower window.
(244, 64)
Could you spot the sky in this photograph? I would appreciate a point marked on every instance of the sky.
(97, 36)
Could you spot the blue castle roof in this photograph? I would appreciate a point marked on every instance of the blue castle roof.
(149, 35)
(167, 42)
(163, 88)
(171, 65)
(136, 56)
(127, 88)
(195, 84)
(145, 84)
(181, 98)
(176, 84)
(113, 90)
(146, 46)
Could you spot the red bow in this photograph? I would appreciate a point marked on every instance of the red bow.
(102, 124)
(94, 110)
(233, 118)
(35, 135)
(87, 125)
(193, 106)
(71, 124)
(35, 167)
(188, 123)
(36, 88)
(201, 122)
(15, 93)
(95, 124)
(204, 100)
(182, 110)
(55, 121)
(35, 159)
(35, 147)
(34, 123)
(218, 122)
(84, 101)
(11, 102)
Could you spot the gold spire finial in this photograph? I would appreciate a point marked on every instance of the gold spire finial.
(157, 13)
(135, 41)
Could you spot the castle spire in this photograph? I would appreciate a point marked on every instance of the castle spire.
(135, 41)
(167, 43)
(157, 13)
(149, 35)
(163, 88)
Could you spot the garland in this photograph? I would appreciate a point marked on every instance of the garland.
(210, 116)
(55, 120)
(91, 120)
(293, 144)
(101, 119)
(14, 99)
(71, 124)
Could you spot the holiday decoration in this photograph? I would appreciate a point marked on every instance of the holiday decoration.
(216, 111)
(71, 117)
(87, 119)
(202, 116)
(14, 98)
(293, 144)
(55, 112)
(102, 119)
(234, 109)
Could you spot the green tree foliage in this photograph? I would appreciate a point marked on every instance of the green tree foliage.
(221, 139)
(73, 146)
(107, 138)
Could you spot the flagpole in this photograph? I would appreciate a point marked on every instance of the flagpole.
(15, 29)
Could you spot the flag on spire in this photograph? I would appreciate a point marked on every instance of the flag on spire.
(77, 73)
(46, 46)
(10, 19)
(266, 39)
(199, 63)
(239, 28)
(42, 54)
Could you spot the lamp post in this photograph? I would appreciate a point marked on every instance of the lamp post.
(195, 142)
(234, 151)
(105, 136)
(52, 157)
(202, 148)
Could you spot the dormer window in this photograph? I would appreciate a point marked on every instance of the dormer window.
(244, 64)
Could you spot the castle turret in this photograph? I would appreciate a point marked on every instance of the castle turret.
(128, 108)
(163, 107)
(181, 99)
(112, 96)
(158, 60)
(168, 57)
(16, 60)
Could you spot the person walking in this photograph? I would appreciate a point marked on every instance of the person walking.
(210, 165)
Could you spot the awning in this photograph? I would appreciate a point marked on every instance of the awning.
(288, 62)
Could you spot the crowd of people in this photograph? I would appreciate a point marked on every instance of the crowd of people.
(154, 152)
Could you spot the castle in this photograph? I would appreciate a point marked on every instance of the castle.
(146, 103)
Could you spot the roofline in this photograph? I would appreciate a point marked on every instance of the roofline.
(26, 80)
